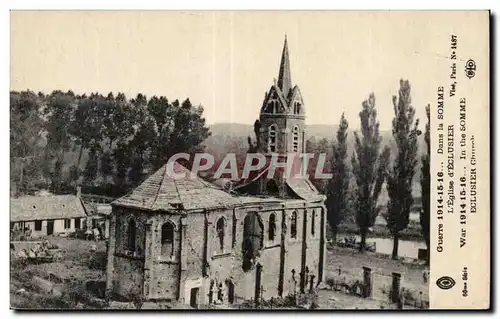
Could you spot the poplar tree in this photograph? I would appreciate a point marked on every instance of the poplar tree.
(338, 187)
(400, 178)
(369, 169)
(425, 182)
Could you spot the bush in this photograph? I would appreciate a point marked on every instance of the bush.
(307, 299)
(330, 282)
(411, 298)
(137, 300)
(44, 302)
(98, 261)
(74, 292)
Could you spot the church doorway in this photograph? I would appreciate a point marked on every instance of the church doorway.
(193, 300)
(230, 292)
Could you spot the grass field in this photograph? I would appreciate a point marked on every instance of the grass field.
(351, 264)
(78, 266)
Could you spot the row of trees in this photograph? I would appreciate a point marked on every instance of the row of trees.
(372, 167)
(122, 139)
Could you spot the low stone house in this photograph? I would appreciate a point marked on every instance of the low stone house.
(47, 215)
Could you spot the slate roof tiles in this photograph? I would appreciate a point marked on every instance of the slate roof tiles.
(161, 191)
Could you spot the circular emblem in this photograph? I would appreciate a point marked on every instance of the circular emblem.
(470, 68)
(445, 282)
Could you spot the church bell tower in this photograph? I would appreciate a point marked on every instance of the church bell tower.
(281, 122)
(282, 115)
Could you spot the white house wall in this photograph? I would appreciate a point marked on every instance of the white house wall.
(58, 227)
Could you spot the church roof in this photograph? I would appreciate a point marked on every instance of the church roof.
(304, 189)
(299, 188)
(161, 192)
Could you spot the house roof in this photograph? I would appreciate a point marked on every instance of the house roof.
(104, 209)
(161, 191)
(97, 208)
(29, 208)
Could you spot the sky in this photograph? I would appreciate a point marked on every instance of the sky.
(226, 61)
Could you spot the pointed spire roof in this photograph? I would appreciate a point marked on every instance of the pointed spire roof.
(285, 77)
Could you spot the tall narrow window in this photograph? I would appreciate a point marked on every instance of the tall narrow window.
(38, 225)
(67, 223)
(271, 107)
(313, 220)
(131, 231)
(293, 226)
(221, 232)
(167, 239)
(295, 134)
(234, 232)
(296, 108)
(272, 138)
(272, 227)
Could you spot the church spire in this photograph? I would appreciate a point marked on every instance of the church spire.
(285, 78)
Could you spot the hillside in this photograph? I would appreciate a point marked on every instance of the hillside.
(227, 133)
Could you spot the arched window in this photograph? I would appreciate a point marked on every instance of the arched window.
(293, 226)
(313, 220)
(167, 239)
(272, 137)
(272, 227)
(131, 234)
(295, 134)
(221, 232)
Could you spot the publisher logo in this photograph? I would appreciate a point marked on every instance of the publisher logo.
(445, 282)
(470, 68)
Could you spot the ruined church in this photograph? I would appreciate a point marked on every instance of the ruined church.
(191, 241)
